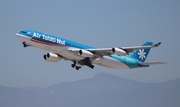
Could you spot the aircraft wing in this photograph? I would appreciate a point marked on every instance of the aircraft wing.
(122, 51)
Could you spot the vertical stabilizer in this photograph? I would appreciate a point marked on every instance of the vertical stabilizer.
(142, 54)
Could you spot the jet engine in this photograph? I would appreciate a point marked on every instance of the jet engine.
(51, 57)
(85, 53)
(118, 51)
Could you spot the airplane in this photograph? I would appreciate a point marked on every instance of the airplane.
(83, 55)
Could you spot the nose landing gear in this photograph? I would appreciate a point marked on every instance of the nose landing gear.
(25, 45)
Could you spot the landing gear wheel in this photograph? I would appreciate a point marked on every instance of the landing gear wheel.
(92, 66)
(72, 65)
(77, 68)
(24, 45)
(44, 57)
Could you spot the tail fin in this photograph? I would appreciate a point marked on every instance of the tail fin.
(142, 54)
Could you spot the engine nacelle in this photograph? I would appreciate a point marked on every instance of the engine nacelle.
(85, 53)
(51, 57)
(118, 51)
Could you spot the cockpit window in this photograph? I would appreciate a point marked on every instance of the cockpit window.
(23, 32)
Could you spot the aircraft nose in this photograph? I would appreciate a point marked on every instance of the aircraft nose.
(18, 35)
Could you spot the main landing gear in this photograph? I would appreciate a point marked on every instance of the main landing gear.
(91, 66)
(74, 65)
(25, 45)
(85, 61)
(77, 68)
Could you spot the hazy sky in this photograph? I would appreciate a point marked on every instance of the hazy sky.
(98, 23)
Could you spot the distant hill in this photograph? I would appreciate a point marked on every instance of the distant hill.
(103, 90)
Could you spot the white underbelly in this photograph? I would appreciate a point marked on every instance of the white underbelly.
(110, 63)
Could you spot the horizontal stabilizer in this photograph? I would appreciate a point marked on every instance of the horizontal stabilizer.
(150, 63)
(156, 45)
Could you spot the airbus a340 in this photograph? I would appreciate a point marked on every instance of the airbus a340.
(83, 55)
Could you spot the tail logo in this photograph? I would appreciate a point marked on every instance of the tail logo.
(142, 54)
